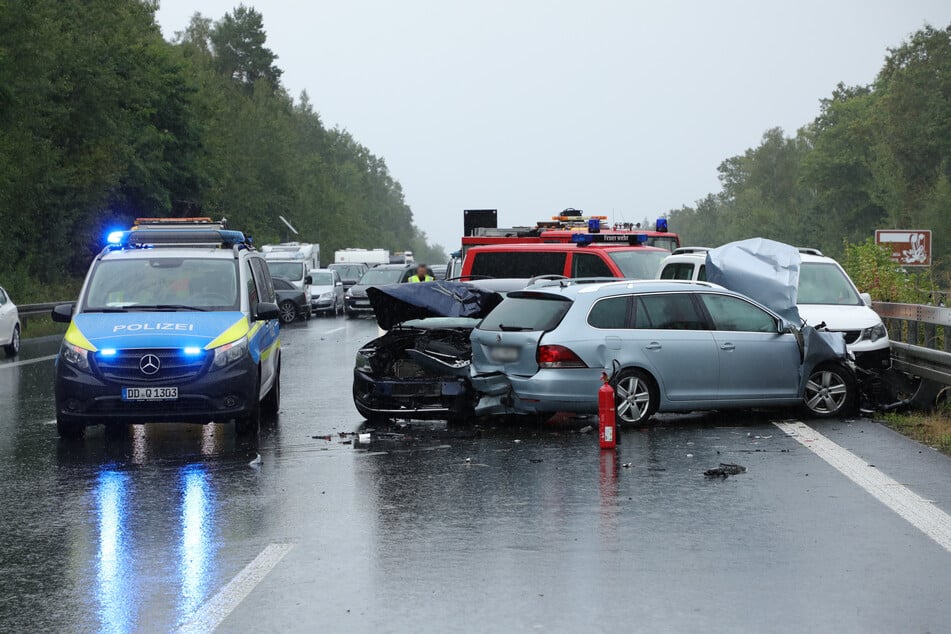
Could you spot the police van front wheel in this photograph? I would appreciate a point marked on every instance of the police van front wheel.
(69, 429)
(272, 402)
(248, 425)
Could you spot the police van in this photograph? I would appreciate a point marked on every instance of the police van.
(176, 321)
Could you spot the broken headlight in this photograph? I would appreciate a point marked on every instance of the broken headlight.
(362, 362)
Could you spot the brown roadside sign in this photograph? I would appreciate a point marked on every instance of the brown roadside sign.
(909, 247)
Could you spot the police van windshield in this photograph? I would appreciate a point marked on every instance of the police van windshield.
(293, 271)
(163, 284)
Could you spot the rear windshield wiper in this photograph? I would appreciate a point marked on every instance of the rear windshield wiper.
(504, 328)
(168, 307)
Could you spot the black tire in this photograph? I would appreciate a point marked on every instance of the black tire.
(13, 348)
(272, 401)
(249, 425)
(288, 311)
(830, 391)
(636, 397)
(69, 429)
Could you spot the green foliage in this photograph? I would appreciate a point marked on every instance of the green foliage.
(876, 157)
(102, 121)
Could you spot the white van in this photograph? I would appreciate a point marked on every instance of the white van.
(292, 261)
(826, 294)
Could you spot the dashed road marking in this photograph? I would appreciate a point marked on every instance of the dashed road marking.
(16, 364)
(217, 608)
(919, 512)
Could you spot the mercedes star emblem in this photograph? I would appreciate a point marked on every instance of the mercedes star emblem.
(149, 364)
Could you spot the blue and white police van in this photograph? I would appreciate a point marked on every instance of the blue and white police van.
(176, 321)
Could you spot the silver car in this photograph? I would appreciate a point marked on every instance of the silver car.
(326, 292)
(670, 346)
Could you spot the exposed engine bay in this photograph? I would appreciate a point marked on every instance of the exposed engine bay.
(413, 353)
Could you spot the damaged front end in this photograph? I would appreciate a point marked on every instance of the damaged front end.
(416, 372)
(420, 368)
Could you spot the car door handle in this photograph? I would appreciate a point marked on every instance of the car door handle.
(727, 346)
(653, 345)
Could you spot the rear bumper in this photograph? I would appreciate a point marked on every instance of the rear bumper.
(568, 390)
(214, 396)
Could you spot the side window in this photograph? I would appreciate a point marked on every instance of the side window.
(702, 275)
(518, 263)
(262, 278)
(674, 311)
(734, 314)
(611, 312)
(252, 288)
(3, 297)
(589, 265)
(678, 271)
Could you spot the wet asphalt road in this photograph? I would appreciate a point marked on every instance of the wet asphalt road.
(172, 526)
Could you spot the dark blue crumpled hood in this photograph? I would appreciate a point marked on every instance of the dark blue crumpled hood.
(397, 303)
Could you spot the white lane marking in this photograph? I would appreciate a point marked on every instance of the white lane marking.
(17, 364)
(217, 608)
(330, 332)
(919, 512)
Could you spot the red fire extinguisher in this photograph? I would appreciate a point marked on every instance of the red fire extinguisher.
(606, 427)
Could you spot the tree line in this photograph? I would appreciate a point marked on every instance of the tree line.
(102, 120)
(876, 157)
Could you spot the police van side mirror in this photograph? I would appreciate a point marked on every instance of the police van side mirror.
(62, 313)
(266, 311)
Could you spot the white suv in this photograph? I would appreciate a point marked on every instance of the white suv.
(826, 294)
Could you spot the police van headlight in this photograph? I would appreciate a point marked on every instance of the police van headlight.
(874, 333)
(75, 356)
(230, 353)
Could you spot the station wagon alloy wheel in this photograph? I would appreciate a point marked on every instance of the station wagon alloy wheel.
(288, 312)
(634, 397)
(827, 391)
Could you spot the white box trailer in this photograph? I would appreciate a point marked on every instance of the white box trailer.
(292, 260)
(370, 257)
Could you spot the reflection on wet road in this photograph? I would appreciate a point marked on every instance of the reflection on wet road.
(434, 529)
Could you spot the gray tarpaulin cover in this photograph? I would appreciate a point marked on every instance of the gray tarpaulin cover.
(765, 270)
(768, 272)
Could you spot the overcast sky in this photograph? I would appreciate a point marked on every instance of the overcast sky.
(620, 108)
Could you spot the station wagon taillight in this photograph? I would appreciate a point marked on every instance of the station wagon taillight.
(558, 357)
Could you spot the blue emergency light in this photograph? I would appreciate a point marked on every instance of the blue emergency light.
(108, 352)
(661, 225)
(116, 237)
(594, 225)
(192, 351)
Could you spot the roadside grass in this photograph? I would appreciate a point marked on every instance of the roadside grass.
(931, 428)
(40, 326)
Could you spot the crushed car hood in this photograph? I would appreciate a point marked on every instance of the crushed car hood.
(397, 303)
(762, 269)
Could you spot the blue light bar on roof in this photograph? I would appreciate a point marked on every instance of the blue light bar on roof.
(116, 237)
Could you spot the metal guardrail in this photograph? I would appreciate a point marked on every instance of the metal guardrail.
(28, 311)
(920, 338)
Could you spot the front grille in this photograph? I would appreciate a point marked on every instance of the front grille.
(174, 366)
(851, 336)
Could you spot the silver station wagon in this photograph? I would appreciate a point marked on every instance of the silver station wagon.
(669, 346)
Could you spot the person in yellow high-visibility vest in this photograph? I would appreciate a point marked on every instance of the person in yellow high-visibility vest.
(422, 274)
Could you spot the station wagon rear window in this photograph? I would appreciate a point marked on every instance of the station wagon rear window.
(527, 312)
